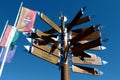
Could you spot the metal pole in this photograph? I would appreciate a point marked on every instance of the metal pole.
(65, 72)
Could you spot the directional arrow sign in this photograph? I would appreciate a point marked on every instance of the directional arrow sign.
(81, 20)
(75, 19)
(89, 37)
(47, 49)
(44, 54)
(81, 47)
(50, 22)
(85, 70)
(94, 48)
(85, 60)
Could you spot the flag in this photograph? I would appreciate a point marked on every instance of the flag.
(26, 20)
(10, 54)
(16, 35)
(85, 70)
(6, 35)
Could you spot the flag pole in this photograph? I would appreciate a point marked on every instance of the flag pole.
(4, 30)
(14, 26)
(1, 52)
(10, 40)
(18, 15)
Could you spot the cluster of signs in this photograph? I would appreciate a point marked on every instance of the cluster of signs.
(47, 45)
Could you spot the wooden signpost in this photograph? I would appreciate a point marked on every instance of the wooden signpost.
(56, 44)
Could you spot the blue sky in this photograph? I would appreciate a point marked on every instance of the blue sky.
(25, 66)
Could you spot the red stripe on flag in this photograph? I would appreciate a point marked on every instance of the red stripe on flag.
(6, 35)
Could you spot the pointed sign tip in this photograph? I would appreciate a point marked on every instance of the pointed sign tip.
(104, 62)
(33, 29)
(29, 39)
(101, 73)
(27, 48)
(25, 33)
(103, 47)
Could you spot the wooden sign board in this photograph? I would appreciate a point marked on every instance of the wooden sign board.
(94, 35)
(47, 49)
(40, 33)
(80, 21)
(50, 22)
(85, 70)
(75, 19)
(94, 48)
(92, 61)
(86, 46)
(41, 53)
